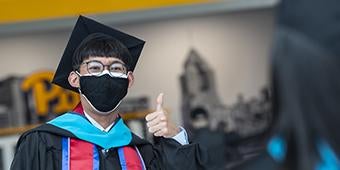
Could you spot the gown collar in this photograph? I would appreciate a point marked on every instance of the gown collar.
(119, 135)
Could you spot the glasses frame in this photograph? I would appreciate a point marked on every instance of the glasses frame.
(104, 67)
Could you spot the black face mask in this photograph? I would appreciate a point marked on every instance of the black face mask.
(104, 92)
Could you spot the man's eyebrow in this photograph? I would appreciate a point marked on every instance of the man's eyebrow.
(91, 60)
(113, 62)
(118, 61)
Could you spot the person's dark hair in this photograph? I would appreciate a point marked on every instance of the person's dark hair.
(198, 111)
(100, 45)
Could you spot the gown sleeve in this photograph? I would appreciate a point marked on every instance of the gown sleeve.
(32, 153)
(168, 154)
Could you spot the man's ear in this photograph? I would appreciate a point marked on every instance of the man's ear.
(73, 79)
(130, 78)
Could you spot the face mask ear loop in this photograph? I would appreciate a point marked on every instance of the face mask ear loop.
(77, 73)
(79, 80)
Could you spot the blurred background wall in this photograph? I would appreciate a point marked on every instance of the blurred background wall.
(234, 44)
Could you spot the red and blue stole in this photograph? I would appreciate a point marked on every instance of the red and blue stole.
(79, 154)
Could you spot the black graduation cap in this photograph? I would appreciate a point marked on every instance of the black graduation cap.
(82, 29)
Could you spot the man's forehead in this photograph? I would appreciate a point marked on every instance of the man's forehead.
(104, 60)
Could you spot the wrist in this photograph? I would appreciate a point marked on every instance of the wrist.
(173, 132)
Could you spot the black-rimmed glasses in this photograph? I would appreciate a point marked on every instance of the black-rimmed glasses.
(96, 68)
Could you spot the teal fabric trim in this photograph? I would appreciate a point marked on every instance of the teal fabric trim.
(277, 148)
(119, 135)
(329, 160)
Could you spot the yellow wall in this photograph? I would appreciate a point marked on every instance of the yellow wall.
(24, 10)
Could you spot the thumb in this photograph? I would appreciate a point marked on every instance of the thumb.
(159, 102)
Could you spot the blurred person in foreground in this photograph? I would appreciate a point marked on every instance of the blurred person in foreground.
(98, 62)
(306, 89)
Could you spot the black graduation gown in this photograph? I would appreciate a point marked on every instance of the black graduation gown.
(40, 149)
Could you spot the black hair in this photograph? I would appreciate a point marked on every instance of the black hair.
(100, 45)
(198, 111)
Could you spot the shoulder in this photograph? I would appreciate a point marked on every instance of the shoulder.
(32, 134)
(138, 141)
(45, 129)
(44, 134)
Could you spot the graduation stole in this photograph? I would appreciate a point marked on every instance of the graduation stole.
(83, 155)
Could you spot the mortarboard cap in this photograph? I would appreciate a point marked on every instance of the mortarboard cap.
(82, 29)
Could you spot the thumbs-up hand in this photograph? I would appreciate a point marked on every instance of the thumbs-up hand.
(159, 123)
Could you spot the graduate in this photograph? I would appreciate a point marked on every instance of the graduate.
(306, 89)
(98, 63)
